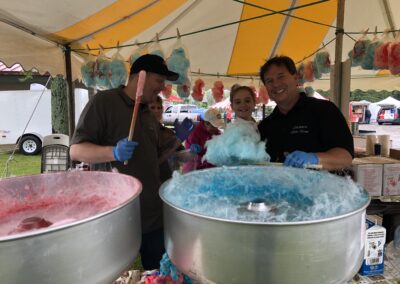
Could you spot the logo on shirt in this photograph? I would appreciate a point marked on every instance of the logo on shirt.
(300, 129)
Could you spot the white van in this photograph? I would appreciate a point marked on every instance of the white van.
(16, 108)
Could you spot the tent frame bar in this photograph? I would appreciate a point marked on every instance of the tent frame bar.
(70, 95)
(337, 84)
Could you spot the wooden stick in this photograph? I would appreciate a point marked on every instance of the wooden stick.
(139, 93)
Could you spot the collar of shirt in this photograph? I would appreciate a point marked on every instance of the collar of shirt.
(128, 100)
(299, 105)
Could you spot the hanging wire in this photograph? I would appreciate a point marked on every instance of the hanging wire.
(273, 12)
(310, 55)
(11, 157)
(214, 27)
(285, 14)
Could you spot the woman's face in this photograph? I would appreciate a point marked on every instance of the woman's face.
(157, 109)
(243, 104)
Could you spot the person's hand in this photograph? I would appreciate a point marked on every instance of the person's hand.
(300, 159)
(195, 148)
(182, 130)
(124, 149)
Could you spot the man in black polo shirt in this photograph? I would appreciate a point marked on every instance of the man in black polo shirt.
(100, 138)
(302, 130)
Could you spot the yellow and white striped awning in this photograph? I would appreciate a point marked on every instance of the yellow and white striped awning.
(223, 37)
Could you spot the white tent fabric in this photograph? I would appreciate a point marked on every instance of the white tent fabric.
(32, 52)
(224, 104)
(362, 80)
(389, 101)
(319, 96)
(375, 107)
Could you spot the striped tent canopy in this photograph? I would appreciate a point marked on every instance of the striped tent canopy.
(225, 39)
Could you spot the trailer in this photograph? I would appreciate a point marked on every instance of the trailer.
(16, 108)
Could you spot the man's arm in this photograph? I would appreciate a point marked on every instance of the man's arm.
(335, 158)
(91, 153)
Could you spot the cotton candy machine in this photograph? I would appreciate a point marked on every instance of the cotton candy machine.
(264, 224)
(70, 227)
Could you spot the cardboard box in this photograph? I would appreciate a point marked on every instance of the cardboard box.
(391, 179)
(373, 263)
(369, 176)
(379, 176)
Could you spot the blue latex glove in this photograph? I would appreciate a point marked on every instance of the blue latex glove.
(195, 148)
(182, 130)
(124, 149)
(300, 159)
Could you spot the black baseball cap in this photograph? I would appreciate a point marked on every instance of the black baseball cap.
(153, 63)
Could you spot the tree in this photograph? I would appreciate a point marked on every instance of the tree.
(59, 105)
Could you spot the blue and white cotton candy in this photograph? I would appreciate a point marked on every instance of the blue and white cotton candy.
(239, 144)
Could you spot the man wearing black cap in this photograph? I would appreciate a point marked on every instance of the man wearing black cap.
(100, 139)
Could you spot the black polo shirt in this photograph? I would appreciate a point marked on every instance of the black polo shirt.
(104, 121)
(312, 125)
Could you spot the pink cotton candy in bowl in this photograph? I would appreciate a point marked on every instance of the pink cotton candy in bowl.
(68, 227)
(48, 201)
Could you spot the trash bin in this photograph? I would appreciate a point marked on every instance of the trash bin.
(55, 153)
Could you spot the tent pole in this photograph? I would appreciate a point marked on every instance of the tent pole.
(71, 97)
(337, 90)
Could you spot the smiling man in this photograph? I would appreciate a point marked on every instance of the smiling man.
(302, 130)
(100, 139)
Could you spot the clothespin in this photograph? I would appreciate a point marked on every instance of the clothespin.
(365, 32)
(199, 71)
(178, 34)
(101, 48)
(117, 45)
(157, 37)
(88, 50)
(218, 75)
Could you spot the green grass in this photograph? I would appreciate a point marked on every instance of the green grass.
(137, 264)
(20, 165)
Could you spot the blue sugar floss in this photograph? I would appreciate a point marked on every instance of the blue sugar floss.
(119, 73)
(103, 70)
(295, 194)
(239, 144)
(179, 63)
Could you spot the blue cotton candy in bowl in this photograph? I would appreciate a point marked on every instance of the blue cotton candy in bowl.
(296, 195)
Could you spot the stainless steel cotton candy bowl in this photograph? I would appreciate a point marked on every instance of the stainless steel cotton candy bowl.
(242, 238)
(89, 227)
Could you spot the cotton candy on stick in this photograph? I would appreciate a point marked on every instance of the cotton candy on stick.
(139, 94)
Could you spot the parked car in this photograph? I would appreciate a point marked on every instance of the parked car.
(388, 114)
(180, 112)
